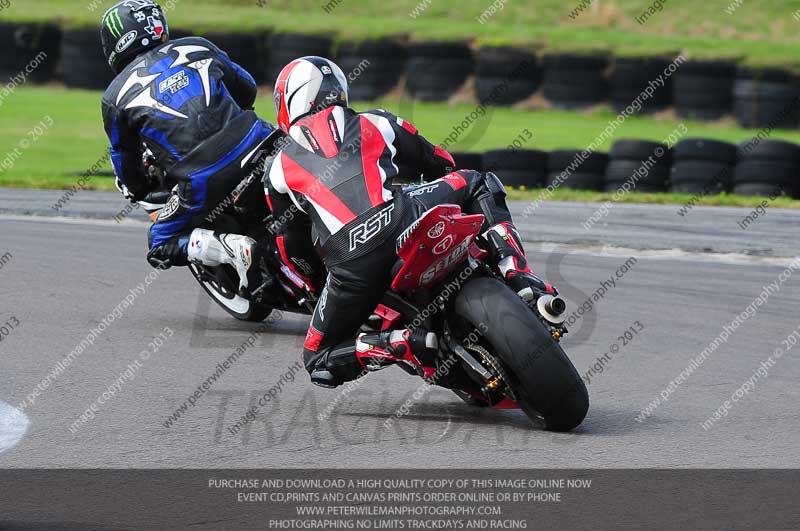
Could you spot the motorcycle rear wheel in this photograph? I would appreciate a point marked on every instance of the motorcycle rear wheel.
(230, 301)
(546, 384)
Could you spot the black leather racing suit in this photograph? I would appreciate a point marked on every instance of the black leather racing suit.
(335, 175)
(190, 104)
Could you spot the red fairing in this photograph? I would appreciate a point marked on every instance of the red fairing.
(435, 245)
(439, 152)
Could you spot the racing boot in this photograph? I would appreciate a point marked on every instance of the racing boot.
(505, 248)
(376, 351)
(373, 352)
(336, 367)
(213, 249)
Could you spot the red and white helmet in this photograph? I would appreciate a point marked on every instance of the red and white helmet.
(306, 86)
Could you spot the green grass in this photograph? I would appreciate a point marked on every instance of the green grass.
(73, 143)
(762, 32)
(76, 139)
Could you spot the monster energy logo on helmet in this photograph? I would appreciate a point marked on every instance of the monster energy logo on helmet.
(114, 23)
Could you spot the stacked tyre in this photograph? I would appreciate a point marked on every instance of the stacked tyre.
(702, 166)
(632, 76)
(436, 70)
(517, 168)
(768, 168)
(286, 47)
(575, 81)
(36, 46)
(638, 165)
(468, 161)
(83, 64)
(505, 75)
(572, 169)
(766, 98)
(703, 89)
(373, 67)
(249, 50)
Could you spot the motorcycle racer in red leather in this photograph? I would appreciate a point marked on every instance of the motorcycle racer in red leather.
(331, 190)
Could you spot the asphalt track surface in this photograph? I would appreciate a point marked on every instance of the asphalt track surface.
(66, 275)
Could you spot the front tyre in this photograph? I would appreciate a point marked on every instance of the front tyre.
(218, 282)
(546, 384)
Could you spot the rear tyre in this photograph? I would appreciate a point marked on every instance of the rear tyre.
(546, 384)
(215, 280)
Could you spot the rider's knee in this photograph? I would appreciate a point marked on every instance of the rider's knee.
(472, 178)
(479, 184)
(486, 195)
(494, 184)
(312, 348)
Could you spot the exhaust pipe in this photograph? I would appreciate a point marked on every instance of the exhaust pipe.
(552, 308)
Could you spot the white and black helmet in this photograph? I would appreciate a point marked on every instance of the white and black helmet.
(306, 86)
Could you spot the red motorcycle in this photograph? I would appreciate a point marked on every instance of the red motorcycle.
(494, 350)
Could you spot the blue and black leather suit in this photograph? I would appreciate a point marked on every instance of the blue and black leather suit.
(192, 107)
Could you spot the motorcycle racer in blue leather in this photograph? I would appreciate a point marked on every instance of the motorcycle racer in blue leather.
(192, 107)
